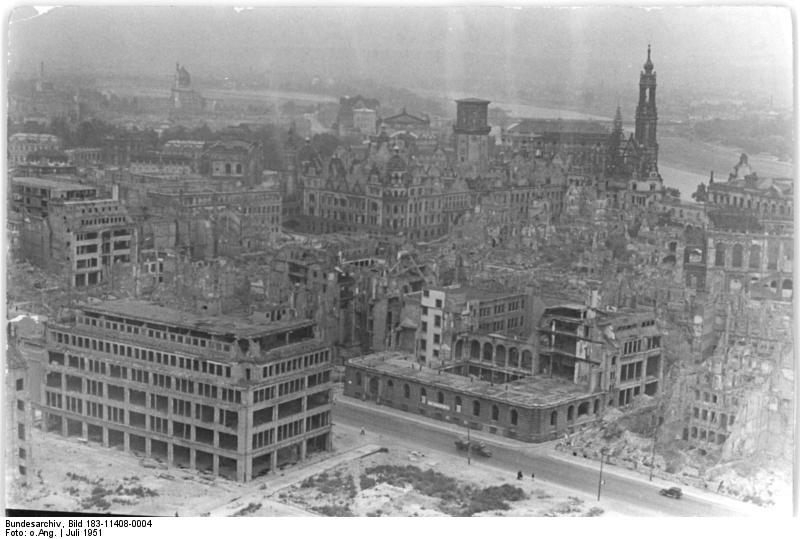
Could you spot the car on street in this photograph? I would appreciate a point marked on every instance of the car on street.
(672, 492)
(475, 447)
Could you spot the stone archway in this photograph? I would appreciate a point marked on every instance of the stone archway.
(487, 352)
(475, 350)
(500, 355)
(513, 358)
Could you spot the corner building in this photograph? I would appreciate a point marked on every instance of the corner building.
(213, 393)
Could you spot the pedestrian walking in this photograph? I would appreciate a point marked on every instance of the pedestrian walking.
(533, 476)
(363, 432)
(519, 474)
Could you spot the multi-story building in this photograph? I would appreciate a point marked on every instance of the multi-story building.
(193, 149)
(769, 199)
(20, 145)
(160, 163)
(84, 157)
(618, 353)
(584, 140)
(532, 409)
(365, 121)
(345, 119)
(235, 161)
(750, 254)
(81, 240)
(395, 200)
(34, 196)
(227, 395)
(448, 313)
(218, 222)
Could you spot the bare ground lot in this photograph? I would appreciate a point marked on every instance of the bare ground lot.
(69, 475)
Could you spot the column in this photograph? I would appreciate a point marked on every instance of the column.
(244, 471)
(147, 446)
(84, 430)
(126, 441)
(170, 454)
(105, 436)
(64, 425)
(303, 448)
(273, 461)
(215, 463)
(192, 459)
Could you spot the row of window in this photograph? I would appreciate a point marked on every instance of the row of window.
(94, 387)
(143, 354)
(102, 221)
(307, 360)
(636, 345)
(713, 398)
(711, 416)
(153, 333)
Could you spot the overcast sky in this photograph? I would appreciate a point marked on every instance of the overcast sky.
(715, 47)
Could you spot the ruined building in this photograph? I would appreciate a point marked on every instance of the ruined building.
(232, 396)
(72, 233)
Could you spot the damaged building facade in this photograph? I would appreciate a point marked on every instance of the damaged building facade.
(231, 396)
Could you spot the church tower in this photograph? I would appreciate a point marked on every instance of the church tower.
(472, 132)
(646, 115)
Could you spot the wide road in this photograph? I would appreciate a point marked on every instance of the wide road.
(631, 495)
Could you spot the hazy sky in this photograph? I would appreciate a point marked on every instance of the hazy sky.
(697, 47)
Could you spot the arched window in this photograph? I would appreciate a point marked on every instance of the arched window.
(440, 397)
(495, 412)
(423, 395)
(476, 408)
(738, 256)
(358, 378)
(755, 257)
(554, 418)
(514, 417)
(583, 408)
(570, 413)
(458, 404)
(719, 255)
(406, 391)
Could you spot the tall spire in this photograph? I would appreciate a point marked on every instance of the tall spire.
(648, 65)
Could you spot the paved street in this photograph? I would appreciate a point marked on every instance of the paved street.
(628, 495)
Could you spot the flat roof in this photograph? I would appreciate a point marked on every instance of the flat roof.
(532, 392)
(219, 324)
(473, 293)
(47, 183)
